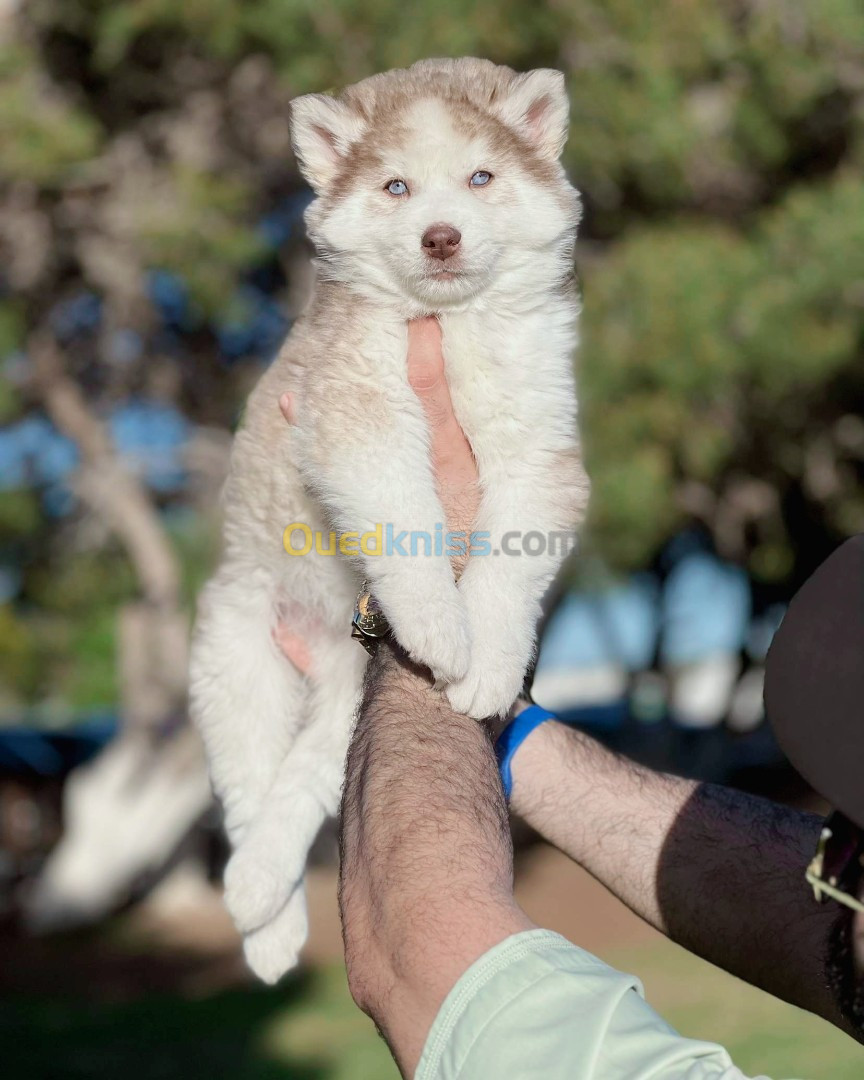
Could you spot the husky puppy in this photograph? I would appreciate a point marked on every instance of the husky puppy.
(439, 191)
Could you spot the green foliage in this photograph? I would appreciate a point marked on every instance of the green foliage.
(19, 515)
(199, 232)
(19, 656)
(704, 335)
(12, 326)
(67, 650)
(333, 43)
(42, 133)
(59, 645)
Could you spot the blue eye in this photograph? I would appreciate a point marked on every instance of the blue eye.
(397, 187)
(480, 178)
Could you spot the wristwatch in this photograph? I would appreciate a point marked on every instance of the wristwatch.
(369, 625)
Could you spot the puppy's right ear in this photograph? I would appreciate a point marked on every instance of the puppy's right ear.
(322, 130)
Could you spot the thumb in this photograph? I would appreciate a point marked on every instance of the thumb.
(427, 380)
(451, 452)
(426, 371)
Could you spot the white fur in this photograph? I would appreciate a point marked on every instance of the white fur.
(359, 456)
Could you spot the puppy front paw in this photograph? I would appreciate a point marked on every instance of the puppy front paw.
(489, 688)
(431, 625)
(501, 622)
(443, 644)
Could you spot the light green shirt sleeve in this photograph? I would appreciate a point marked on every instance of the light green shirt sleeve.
(537, 1006)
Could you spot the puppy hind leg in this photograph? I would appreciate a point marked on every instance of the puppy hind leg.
(246, 699)
(275, 948)
(271, 860)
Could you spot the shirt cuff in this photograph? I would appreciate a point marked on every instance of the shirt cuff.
(537, 1006)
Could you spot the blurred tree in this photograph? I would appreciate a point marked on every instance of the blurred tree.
(148, 203)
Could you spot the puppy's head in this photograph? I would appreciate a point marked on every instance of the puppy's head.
(435, 181)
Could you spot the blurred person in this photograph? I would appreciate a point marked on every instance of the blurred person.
(455, 975)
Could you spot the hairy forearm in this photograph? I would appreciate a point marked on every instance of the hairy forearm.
(426, 872)
(718, 871)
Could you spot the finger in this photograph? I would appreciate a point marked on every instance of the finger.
(425, 357)
(293, 647)
(286, 404)
(451, 451)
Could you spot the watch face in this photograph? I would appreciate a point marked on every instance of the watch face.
(369, 620)
(368, 607)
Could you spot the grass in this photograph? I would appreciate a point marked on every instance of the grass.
(764, 1036)
(310, 1030)
(306, 1030)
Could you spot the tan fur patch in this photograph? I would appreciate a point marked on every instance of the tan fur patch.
(468, 86)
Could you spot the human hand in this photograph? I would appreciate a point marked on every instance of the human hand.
(452, 459)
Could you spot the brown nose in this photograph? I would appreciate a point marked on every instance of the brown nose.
(441, 241)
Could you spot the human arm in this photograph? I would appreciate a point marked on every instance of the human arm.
(426, 870)
(426, 894)
(718, 871)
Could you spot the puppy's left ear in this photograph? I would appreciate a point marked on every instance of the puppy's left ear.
(538, 108)
(322, 131)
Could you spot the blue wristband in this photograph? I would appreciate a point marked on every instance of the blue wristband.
(512, 737)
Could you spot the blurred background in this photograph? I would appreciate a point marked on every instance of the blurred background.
(151, 260)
